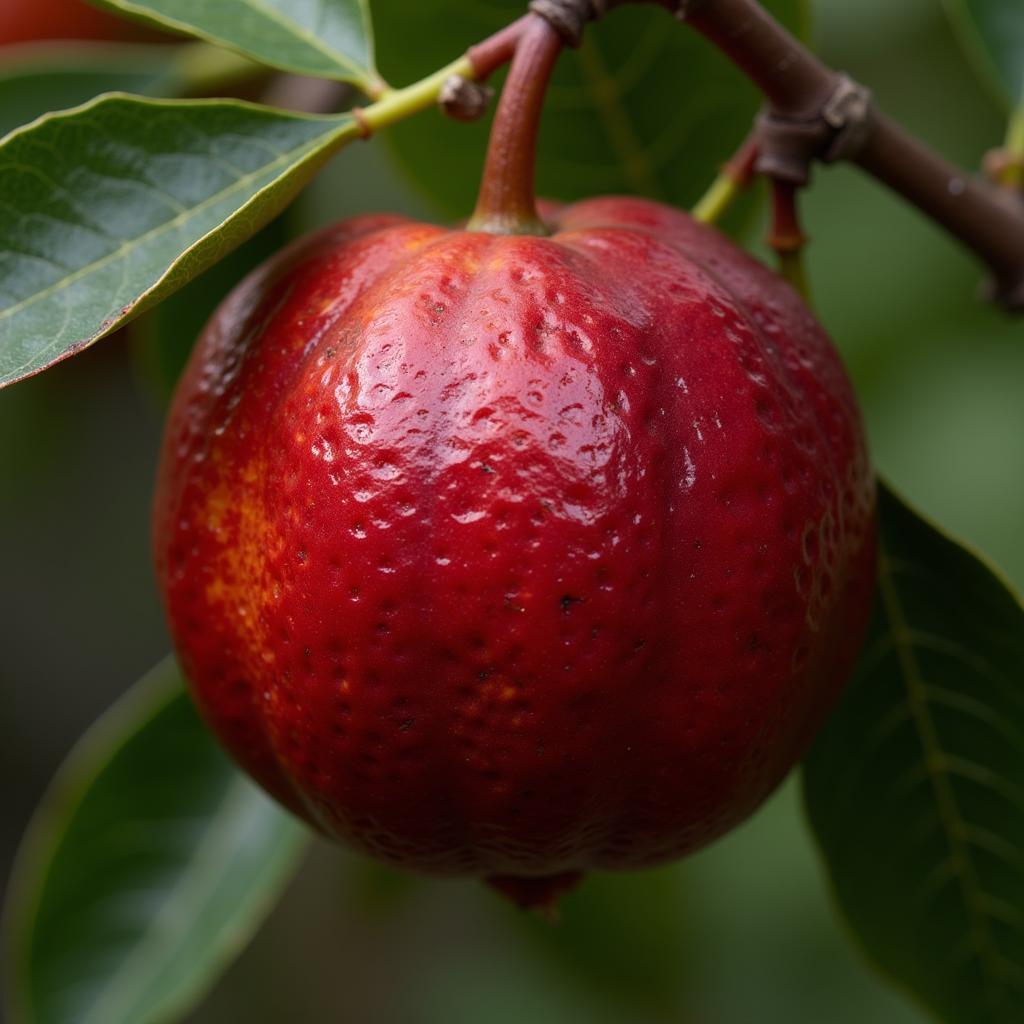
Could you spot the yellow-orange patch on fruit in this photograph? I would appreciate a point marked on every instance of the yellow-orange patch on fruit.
(247, 543)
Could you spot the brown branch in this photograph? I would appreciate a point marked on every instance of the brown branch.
(802, 92)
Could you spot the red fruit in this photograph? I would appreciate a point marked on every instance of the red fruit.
(23, 21)
(516, 556)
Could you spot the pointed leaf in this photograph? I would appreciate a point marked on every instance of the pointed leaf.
(645, 106)
(915, 788)
(992, 31)
(148, 866)
(322, 38)
(108, 208)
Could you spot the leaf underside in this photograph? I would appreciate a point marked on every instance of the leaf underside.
(320, 38)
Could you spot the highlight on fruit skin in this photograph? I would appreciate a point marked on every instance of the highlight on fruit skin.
(516, 557)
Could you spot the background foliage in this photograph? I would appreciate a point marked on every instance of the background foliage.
(741, 932)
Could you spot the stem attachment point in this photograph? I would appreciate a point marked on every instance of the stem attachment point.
(790, 145)
(462, 99)
(569, 17)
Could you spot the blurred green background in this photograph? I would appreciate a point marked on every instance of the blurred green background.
(741, 933)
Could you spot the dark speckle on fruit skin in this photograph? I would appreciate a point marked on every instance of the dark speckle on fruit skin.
(516, 556)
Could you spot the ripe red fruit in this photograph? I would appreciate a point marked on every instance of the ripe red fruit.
(515, 556)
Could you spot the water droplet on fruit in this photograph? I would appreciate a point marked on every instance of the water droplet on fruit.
(470, 516)
(689, 471)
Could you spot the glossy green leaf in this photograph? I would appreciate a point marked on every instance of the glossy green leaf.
(993, 33)
(106, 209)
(149, 864)
(41, 79)
(915, 787)
(645, 106)
(322, 38)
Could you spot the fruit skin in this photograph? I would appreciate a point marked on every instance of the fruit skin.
(516, 556)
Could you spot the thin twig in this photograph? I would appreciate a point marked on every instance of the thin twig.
(786, 237)
(735, 176)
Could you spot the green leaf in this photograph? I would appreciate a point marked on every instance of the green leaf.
(322, 38)
(645, 106)
(108, 208)
(992, 31)
(41, 79)
(148, 866)
(915, 787)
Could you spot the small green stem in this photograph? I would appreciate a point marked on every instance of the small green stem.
(1013, 173)
(1015, 132)
(714, 204)
(391, 105)
(397, 104)
(734, 177)
(793, 270)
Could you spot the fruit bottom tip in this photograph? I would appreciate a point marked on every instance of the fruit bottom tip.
(540, 894)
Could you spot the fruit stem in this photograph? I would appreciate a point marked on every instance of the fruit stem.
(507, 204)
(734, 178)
